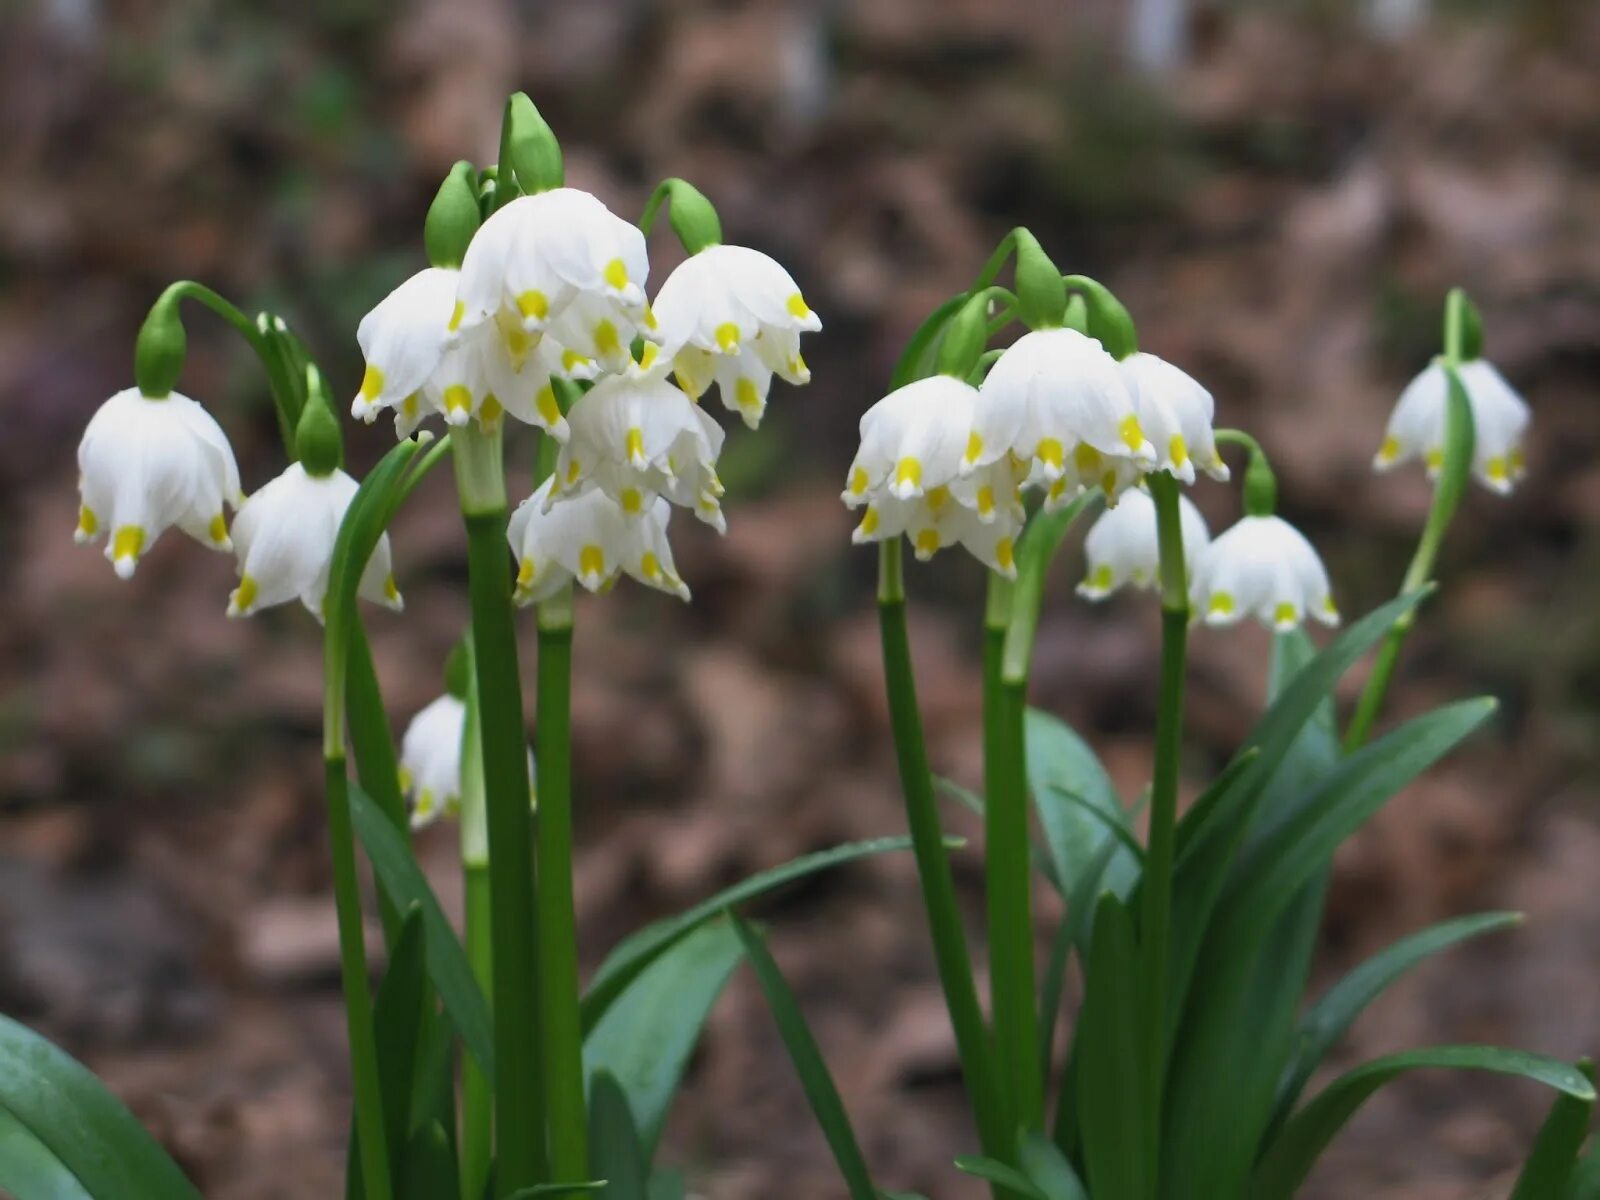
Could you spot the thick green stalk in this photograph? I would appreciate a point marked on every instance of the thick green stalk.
(372, 748)
(933, 865)
(1155, 925)
(368, 1089)
(519, 1115)
(477, 1102)
(561, 1048)
(1007, 872)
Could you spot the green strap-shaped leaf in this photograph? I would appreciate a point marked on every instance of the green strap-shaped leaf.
(1584, 1183)
(448, 967)
(1326, 1022)
(1013, 1180)
(1553, 1161)
(667, 1185)
(636, 951)
(614, 1150)
(1077, 805)
(1288, 1160)
(28, 1171)
(644, 1040)
(1048, 1169)
(819, 1087)
(59, 1103)
(1111, 1107)
(428, 1166)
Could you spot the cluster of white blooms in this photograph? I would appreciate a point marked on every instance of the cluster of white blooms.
(945, 463)
(552, 288)
(430, 760)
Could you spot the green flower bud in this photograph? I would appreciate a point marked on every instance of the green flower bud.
(1260, 487)
(1109, 321)
(693, 218)
(1463, 328)
(452, 217)
(1041, 292)
(1077, 315)
(458, 669)
(317, 441)
(965, 337)
(528, 148)
(160, 350)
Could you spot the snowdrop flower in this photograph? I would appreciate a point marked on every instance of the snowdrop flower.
(1057, 399)
(430, 760)
(418, 368)
(284, 536)
(1176, 412)
(912, 441)
(733, 316)
(147, 463)
(1262, 566)
(1122, 545)
(636, 437)
(1499, 418)
(537, 256)
(588, 537)
(982, 512)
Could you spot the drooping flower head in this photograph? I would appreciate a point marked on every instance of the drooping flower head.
(284, 537)
(981, 512)
(1499, 418)
(590, 539)
(734, 316)
(1122, 546)
(148, 463)
(1177, 413)
(1262, 566)
(912, 440)
(430, 760)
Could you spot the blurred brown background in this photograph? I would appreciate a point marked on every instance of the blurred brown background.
(1282, 194)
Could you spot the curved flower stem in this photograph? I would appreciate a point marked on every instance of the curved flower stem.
(1459, 445)
(933, 864)
(1034, 556)
(561, 1049)
(1155, 923)
(1007, 871)
(519, 1114)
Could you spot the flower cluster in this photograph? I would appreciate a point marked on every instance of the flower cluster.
(550, 299)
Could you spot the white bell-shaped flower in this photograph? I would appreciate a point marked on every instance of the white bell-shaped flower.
(982, 512)
(636, 437)
(1056, 398)
(540, 254)
(1262, 566)
(1122, 546)
(283, 537)
(1176, 413)
(416, 367)
(733, 316)
(1499, 418)
(430, 760)
(147, 464)
(589, 538)
(912, 440)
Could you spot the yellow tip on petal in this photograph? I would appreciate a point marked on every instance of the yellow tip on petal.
(1131, 432)
(574, 469)
(632, 501)
(926, 542)
(409, 406)
(648, 355)
(592, 563)
(974, 446)
(1284, 615)
(1050, 453)
(985, 500)
(1086, 458)
(217, 530)
(1100, 580)
(869, 521)
(1005, 554)
(727, 335)
(525, 572)
(1497, 470)
(1221, 604)
(650, 566)
(634, 447)
(391, 590)
(1178, 450)
(490, 411)
(745, 394)
(1389, 451)
(1329, 608)
(650, 321)
(548, 408)
(88, 523)
(858, 484)
(244, 596)
(616, 274)
(534, 305)
(908, 474)
(571, 361)
(457, 315)
(937, 498)
(127, 543)
(1434, 459)
(798, 308)
(605, 339)
(371, 383)
(457, 399)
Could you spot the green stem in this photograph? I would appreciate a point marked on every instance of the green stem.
(933, 864)
(519, 1115)
(1007, 872)
(1156, 892)
(372, 748)
(561, 1049)
(1034, 556)
(371, 1137)
(477, 1102)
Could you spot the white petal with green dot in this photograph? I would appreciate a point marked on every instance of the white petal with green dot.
(1416, 428)
(587, 537)
(912, 440)
(145, 465)
(1176, 413)
(430, 760)
(1264, 567)
(403, 339)
(1122, 545)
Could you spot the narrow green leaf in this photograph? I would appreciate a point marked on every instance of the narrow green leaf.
(1078, 806)
(1009, 1178)
(428, 1169)
(448, 967)
(1038, 856)
(28, 1171)
(1073, 931)
(1326, 1022)
(558, 1189)
(1288, 1160)
(667, 1185)
(61, 1105)
(814, 1077)
(644, 1040)
(636, 951)
(1111, 1106)
(1044, 1164)
(1584, 1183)
(1553, 1161)
(614, 1149)
(397, 1022)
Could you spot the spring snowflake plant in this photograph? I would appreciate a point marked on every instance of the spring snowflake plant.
(1186, 1065)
